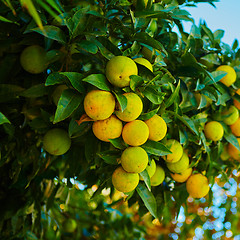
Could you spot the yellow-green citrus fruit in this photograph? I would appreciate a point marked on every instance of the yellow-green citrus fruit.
(183, 176)
(179, 166)
(118, 70)
(133, 109)
(57, 93)
(99, 104)
(158, 177)
(236, 128)
(231, 115)
(197, 185)
(124, 181)
(135, 133)
(213, 130)
(134, 159)
(224, 154)
(231, 76)
(69, 225)
(144, 62)
(106, 129)
(56, 141)
(157, 128)
(150, 169)
(176, 149)
(198, 99)
(233, 151)
(33, 59)
(235, 101)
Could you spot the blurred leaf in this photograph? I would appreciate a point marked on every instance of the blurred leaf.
(99, 81)
(3, 119)
(3, 19)
(148, 199)
(155, 148)
(9, 91)
(67, 104)
(37, 90)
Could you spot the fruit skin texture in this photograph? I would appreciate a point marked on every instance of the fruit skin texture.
(150, 169)
(233, 151)
(236, 102)
(118, 70)
(197, 185)
(124, 181)
(69, 225)
(231, 76)
(213, 130)
(134, 159)
(99, 105)
(56, 141)
(231, 114)
(183, 176)
(144, 62)
(158, 177)
(106, 129)
(135, 133)
(176, 149)
(33, 59)
(236, 128)
(133, 109)
(179, 166)
(157, 128)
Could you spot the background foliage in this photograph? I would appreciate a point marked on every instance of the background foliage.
(38, 192)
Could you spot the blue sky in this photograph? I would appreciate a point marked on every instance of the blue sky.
(225, 16)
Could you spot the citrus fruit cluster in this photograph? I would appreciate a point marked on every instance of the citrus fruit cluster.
(110, 121)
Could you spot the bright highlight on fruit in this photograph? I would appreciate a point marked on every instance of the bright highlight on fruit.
(231, 76)
(134, 159)
(197, 185)
(99, 105)
(135, 133)
(157, 128)
(213, 130)
(124, 181)
(119, 69)
(33, 59)
(133, 109)
(56, 141)
(176, 149)
(106, 129)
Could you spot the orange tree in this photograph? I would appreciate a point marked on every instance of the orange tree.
(90, 90)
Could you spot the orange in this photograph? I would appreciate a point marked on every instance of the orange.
(231, 76)
(236, 128)
(236, 102)
(183, 176)
(233, 151)
(213, 130)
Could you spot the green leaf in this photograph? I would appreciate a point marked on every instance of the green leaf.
(154, 96)
(148, 199)
(109, 46)
(99, 81)
(143, 37)
(155, 148)
(146, 178)
(55, 78)
(88, 46)
(78, 22)
(68, 102)
(3, 119)
(235, 44)
(110, 156)
(118, 143)
(35, 91)
(9, 91)
(146, 116)
(231, 139)
(173, 97)
(135, 82)
(3, 19)
(122, 100)
(75, 78)
(52, 32)
(216, 75)
(208, 32)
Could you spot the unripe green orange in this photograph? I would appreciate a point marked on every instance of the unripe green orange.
(33, 59)
(231, 76)
(124, 181)
(230, 115)
(176, 149)
(134, 159)
(150, 169)
(133, 109)
(213, 130)
(69, 225)
(158, 177)
(179, 166)
(56, 141)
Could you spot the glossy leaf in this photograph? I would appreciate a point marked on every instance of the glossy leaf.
(99, 81)
(155, 148)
